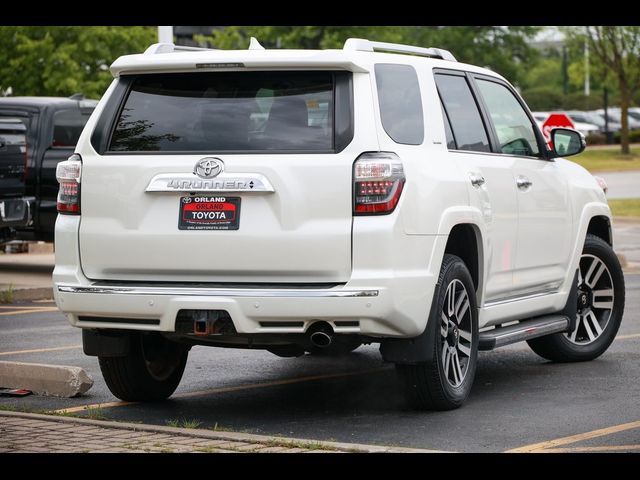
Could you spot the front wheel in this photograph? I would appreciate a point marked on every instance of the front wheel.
(444, 382)
(600, 306)
(150, 372)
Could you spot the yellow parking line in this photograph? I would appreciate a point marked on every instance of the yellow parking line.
(535, 447)
(40, 350)
(236, 388)
(631, 335)
(19, 307)
(94, 405)
(605, 448)
(29, 310)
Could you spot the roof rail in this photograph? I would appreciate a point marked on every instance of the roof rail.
(364, 45)
(170, 48)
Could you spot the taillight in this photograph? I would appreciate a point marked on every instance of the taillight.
(378, 179)
(68, 174)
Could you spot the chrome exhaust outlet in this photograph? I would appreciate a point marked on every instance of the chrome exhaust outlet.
(321, 335)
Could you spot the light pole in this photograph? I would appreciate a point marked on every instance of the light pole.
(165, 34)
(587, 86)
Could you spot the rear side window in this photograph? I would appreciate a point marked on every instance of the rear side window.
(460, 106)
(227, 111)
(400, 103)
(67, 127)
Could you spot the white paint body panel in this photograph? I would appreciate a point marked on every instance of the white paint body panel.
(304, 231)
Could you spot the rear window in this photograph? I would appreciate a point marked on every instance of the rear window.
(227, 111)
(13, 132)
(67, 126)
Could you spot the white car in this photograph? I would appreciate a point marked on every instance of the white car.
(424, 213)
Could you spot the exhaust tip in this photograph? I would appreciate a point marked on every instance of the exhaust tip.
(320, 334)
(320, 339)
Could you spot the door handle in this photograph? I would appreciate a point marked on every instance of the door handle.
(476, 180)
(523, 183)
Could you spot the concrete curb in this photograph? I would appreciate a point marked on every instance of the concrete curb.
(41, 293)
(41, 379)
(229, 436)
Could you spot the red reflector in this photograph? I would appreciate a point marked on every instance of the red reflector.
(68, 207)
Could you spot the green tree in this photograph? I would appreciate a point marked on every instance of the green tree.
(310, 37)
(618, 50)
(503, 49)
(65, 60)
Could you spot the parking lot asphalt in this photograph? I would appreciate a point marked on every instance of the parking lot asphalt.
(519, 401)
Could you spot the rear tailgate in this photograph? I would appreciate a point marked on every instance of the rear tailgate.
(267, 159)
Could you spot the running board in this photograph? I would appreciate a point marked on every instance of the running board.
(525, 330)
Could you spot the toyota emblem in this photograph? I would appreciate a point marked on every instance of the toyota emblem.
(209, 167)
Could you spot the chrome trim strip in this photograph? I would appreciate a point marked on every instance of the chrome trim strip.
(216, 292)
(225, 182)
(503, 301)
(525, 330)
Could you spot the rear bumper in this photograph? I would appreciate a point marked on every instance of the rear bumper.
(16, 212)
(365, 311)
(388, 294)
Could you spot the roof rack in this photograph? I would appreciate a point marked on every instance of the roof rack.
(170, 48)
(364, 45)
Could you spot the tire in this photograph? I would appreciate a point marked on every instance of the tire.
(150, 372)
(596, 326)
(437, 384)
(340, 346)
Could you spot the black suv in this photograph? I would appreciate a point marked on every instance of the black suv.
(36, 133)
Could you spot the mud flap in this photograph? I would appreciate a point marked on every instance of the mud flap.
(99, 343)
(413, 350)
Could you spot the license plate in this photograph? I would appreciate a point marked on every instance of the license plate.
(209, 213)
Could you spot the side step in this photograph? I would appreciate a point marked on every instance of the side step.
(525, 330)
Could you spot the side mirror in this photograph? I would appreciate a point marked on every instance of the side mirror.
(566, 142)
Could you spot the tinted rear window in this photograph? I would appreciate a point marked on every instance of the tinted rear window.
(227, 111)
(12, 131)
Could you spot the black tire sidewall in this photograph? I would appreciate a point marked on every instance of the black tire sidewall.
(558, 347)
(129, 379)
(455, 269)
(600, 249)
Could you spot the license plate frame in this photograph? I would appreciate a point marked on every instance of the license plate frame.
(199, 212)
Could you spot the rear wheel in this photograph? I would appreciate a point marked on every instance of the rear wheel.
(150, 372)
(444, 382)
(600, 306)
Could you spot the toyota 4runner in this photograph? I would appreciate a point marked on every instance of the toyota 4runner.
(312, 201)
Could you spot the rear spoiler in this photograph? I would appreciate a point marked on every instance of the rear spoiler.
(161, 58)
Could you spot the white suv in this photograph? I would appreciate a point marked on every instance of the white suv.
(311, 201)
